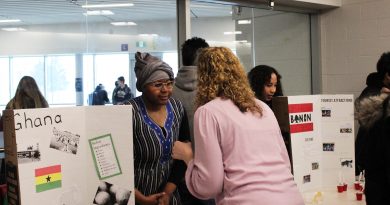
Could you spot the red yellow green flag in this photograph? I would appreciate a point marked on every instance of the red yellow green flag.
(47, 178)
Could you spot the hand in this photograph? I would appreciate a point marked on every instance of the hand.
(385, 90)
(182, 151)
(153, 199)
(164, 200)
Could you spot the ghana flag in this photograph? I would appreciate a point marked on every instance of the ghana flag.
(47, 178)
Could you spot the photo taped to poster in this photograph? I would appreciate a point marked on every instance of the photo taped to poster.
(64, 141)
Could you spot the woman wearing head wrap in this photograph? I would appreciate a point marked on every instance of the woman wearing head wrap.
(240, 155)
(158, 121)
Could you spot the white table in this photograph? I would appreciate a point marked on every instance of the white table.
(330, 196)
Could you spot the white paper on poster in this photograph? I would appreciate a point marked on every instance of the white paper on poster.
(338, 128)
(305, 141)
(321, 129)
(54, 142)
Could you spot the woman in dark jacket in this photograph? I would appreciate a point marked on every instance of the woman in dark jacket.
(374, 86)
(377, 82)
(373, 114)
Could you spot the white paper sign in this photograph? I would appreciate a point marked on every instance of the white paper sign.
(321, 132)
(70, 156)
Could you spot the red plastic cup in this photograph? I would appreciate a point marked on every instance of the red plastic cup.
(359, 196)
(340, 188)
(345, 187)
(357, 185)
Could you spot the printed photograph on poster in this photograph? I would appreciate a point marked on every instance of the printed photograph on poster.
(347, 128)
(306, 179)
(326, 112)
(315, 165)
(328, 147)
(64, 141)
(346, 162)
(29, 153)
(111, 194)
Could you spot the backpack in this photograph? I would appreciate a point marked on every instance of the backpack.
(96, 99)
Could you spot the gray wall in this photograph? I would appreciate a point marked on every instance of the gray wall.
(352, 39)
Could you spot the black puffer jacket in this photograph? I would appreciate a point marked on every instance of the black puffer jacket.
(374, 86)
(373, 114)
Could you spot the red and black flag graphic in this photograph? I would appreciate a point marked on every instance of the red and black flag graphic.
(300, 117)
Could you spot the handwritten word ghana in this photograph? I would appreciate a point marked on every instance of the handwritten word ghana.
(25, 122)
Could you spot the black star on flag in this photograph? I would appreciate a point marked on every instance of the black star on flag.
(48, 178)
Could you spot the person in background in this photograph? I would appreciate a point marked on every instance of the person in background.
(239, 157)
(186, 79)
(266, 83)
(122, 93)
(373, 114)
(100, 96)
(158, 122)
(113, 99)
(1, 123)
(27, 95)
(185, 91)
(376, 83)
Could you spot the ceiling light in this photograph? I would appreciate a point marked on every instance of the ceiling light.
(146, 35)
(9, 20)
(232, 32)
(13, 29)
(123, 23)
(241, 41)
(244, 21)
(271, 3)
(106, 5)
(98, 13)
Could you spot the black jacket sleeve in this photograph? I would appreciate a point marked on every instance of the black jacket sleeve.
(105, 97)
(179, 167)
(184, 133)
(114, 101)
(385, 136)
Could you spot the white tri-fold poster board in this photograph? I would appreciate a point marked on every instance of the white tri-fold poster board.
(70, 156)
(320, 133)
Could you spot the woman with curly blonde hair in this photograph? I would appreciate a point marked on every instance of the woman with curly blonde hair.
(27, 95)
(240, 155)
(213, 66)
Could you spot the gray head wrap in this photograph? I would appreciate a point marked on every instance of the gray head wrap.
(149, 68)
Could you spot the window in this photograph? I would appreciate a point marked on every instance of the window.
(172, 60)
(60, 83)
(31, 66)
(4, 81)
(88, 77)
(106, 44)
(108, 67)
(260, 36)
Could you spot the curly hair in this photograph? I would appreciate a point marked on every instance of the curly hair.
(260, 76)
(189, 49)
(220, 74)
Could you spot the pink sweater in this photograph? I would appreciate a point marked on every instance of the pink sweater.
(240, 158)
